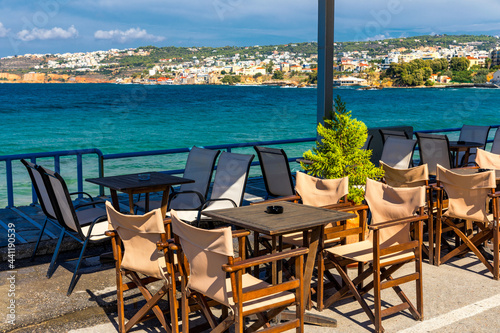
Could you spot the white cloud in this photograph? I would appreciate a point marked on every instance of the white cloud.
(125, 36)
(44, 34)
(3, 31)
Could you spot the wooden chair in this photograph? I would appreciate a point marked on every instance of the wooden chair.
(275, 171)
(329, 194)
(398, 152)
(72, 223)
(487, 160)
(206, 256)
(413, 177)
(396, 212)
(468, 197)
(135, 240)
(199, 167)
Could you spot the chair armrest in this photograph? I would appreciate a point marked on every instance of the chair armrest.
(403, 220)
(111, 233)
(240, 233)
(494, 195)
(163, 245)
(338, 206)
(244, 264)
(85, 193)
(352, 208)
(205, 204)
(176, 194)
(287, 198)
(93, 203)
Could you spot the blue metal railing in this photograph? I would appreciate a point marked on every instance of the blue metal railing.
(56, 155)
(79, 153)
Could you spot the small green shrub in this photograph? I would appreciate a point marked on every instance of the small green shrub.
(339, 153)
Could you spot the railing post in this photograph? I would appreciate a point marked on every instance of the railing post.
(33, 192)
(101, 173)
(57, 164)
(10, 187)
(79, 173)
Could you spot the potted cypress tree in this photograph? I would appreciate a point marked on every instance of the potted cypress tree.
(339, 152)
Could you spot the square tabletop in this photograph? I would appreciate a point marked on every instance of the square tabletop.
(132, 182)
(295, 217)
(471, 171)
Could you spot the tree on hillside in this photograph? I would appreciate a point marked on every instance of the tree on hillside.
(459, 64)
(278, 75)
(269, 68)
(487, 62)
(462, 76)
(413, 73)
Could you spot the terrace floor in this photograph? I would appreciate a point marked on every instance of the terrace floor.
(460, 296)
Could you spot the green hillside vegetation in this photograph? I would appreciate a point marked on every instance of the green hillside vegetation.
(482, 42)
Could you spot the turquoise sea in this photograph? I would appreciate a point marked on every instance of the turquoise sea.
(128, 118)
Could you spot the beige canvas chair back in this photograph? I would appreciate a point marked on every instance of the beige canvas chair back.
(388, 203)
(320, 192)
(397, 152)
(487, 160)
(139, 234)
(467, 194)
(412, 177)
(206, 252)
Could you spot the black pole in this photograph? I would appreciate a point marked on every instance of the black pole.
(326, 12)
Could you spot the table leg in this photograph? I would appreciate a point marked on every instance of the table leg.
(131, 203)
(114, 200)
(311, 258)
(164, 201)
(256, 245)
(466, 156)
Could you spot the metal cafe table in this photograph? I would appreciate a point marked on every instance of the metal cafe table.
(132, 184)
(295, 218)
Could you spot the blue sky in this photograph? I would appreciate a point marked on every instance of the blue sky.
(57, 26)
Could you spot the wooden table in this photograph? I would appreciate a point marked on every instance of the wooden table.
(471, 171)
(296, 217)
(457, 146)
(131, 184)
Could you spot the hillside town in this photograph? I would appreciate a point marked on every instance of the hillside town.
(279, 65)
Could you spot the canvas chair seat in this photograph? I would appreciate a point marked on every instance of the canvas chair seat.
(362, 252)
(86, 216)
(251, 283)
(97, 232)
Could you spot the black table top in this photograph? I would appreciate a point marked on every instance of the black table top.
(295, 217)
(131, 181)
